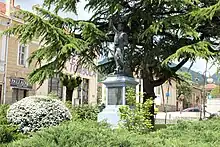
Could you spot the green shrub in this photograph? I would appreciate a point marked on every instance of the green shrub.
(3, 114)
(87, 112)
(9, 133)
(90, 133)
(130, 96)
(81, 134)
(84, 112)
(35, 112)
(135, 116)
(136, 119)
(6, 134)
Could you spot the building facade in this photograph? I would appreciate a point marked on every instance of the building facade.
(14, 68)
(85, 93)
(166, 96)
(13, 60)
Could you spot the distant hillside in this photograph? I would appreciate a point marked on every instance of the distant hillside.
(196, 77)
(215, 78)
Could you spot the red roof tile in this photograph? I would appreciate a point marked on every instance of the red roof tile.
(210, 86)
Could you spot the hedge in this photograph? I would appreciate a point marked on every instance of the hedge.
(89, 133)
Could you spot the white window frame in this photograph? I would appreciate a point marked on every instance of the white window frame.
(26, 54)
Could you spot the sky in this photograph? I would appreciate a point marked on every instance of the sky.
(198, 66)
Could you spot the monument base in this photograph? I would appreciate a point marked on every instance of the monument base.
(115, 97)
(110, 115)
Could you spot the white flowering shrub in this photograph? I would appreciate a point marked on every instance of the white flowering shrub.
(35, 112)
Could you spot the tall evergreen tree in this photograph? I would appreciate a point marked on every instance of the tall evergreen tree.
(160, 31)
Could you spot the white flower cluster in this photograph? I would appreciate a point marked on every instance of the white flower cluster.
(35, 112)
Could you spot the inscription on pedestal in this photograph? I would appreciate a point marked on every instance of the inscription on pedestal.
(115, 96)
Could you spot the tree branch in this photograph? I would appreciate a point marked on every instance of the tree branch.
(169, 74)
(177, 67)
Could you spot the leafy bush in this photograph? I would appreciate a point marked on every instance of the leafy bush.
(189, 134)
(81, 134)
(6, 134)
(89, 133)
(3, 113)
(9, 133)
(33, 113)
(130, 96)
(135, 116)
(87, 112)
(84, 112)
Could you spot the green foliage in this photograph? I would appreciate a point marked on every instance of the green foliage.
(215, 93)
(9, 133)
(84, 112)
(3, 114)
(189, 134)
(130, 96)
(70, 81)
(135, 116)
(99, 94)
(90, 133)
(137, 119)
(184, 85)
(171, 30)
(53, 95)
(81, 134)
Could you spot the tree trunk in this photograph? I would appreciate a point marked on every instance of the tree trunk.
(69, 94)
(148, 89)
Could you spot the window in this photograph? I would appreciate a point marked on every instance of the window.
(22, 55)
(83, 91)
(55, 87)
(18, 94)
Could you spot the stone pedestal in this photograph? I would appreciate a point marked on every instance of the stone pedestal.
(115, 97)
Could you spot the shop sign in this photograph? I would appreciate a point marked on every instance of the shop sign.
(74, 67)
(20, 83)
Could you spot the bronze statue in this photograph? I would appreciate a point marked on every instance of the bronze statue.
(120, 43)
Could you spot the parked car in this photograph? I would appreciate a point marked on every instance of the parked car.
(197, 109)
(193, 109)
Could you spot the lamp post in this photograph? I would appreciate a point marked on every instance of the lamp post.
(208, 80)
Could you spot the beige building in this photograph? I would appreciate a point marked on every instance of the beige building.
(194, 101)
(13, 60)
(86, 93)
(166, 96)
(14, 68)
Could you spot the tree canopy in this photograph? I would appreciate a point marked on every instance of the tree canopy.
(215, 93)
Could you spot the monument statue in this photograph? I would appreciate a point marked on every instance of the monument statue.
(116, 83)
(120, 44)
